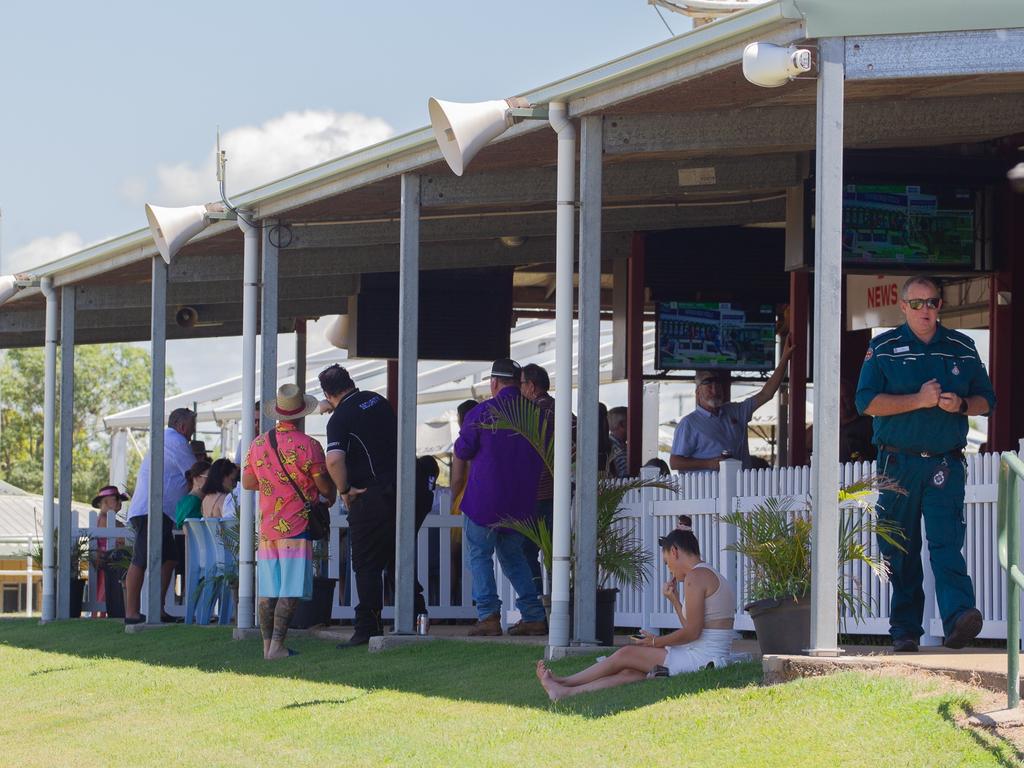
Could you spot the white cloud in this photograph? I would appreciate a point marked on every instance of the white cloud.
(42, 250)
(133, 190)
(259, 154)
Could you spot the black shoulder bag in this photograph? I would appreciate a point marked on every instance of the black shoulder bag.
(319, 526)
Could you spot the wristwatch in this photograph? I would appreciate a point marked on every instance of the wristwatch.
(963, 406)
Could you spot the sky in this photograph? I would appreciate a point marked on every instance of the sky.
(109, 106)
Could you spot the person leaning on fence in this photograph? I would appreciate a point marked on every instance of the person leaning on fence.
(921, 381)
(285, 554)
(704, 638)
(502, 486)
(108, 501)
(178, 458)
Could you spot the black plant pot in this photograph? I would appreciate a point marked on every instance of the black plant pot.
(605, 629)
(783, 625)
(317, 610)
(75, 601)
(114, 588)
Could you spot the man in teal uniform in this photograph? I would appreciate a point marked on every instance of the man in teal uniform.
(921, 381)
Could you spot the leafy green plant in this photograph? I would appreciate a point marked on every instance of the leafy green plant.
(775, 539)
(620, 554)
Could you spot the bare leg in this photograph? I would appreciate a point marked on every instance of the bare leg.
(282, 616)
(632, 657)
(133, 591)
(266, 609)
(558, 691)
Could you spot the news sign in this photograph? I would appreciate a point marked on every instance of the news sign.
(873, 301)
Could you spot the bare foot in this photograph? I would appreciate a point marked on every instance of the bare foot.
(280, 653)
(554, 690)
(543, 672)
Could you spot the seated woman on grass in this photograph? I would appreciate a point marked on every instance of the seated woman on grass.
(704, 638)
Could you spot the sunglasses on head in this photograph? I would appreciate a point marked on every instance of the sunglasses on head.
(930, 303)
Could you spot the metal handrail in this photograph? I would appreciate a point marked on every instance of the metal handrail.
(1011, 470)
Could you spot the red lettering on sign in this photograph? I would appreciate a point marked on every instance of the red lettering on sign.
(883, 296)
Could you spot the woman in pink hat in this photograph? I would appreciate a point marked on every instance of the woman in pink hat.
(108, 501)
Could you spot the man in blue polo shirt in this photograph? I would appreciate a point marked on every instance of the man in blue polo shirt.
(717, 429)
(502, 486)
(921, 381)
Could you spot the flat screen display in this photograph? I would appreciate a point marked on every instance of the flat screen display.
(908, 225)
(719, 335)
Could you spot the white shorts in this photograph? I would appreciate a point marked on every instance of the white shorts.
(712, 647)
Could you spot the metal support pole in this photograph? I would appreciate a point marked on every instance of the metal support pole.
(827, 333)
(565, 213)
(798, 316)
(300, 363)
(247, 517)
(635, 354)
(588, 379)
(49, 426)
(65, 534)
(158, 335)
(408, 354)
(119, 459)
(1009, 498)
(268, 320)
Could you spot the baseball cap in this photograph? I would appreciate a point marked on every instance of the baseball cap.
(506, 369)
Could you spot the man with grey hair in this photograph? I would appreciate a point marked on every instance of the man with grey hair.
(920, 382)
(178, 458)
(717, 429)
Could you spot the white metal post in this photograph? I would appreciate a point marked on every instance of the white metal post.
(827, 333)
(119, 458)
(268, 319)
(585, 562)
(247, 516)
(65, 529)
(408, 354)
(49, 427)
(565, 212)
(158, 335)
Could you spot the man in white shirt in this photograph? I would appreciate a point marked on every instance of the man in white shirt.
(178, 458)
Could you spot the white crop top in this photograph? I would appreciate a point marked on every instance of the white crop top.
(721, 604)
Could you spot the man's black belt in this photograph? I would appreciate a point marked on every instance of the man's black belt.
(956, 452)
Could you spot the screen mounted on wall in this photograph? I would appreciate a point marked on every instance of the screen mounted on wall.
(715, 335)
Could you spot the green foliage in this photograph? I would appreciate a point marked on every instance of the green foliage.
(775, 539)
(620, 553)
(108, 378)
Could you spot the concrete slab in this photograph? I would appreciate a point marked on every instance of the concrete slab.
(1003, 718)
(389, 642)
(556, 652)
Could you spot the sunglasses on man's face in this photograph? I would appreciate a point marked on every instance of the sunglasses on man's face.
(918, 303)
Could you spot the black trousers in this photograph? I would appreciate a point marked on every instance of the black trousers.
(371, 522)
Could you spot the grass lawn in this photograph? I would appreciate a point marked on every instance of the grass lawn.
(83, 693)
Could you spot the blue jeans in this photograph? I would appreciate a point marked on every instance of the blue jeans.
(482, 543)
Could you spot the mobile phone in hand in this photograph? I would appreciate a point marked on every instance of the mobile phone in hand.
(638, 636)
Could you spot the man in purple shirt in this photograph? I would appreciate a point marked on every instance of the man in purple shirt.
(502, 486)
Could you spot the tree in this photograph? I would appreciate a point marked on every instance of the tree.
(108, 378)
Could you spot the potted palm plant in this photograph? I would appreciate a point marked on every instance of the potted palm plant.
(775, 539)
(79, 554)
(621, 557)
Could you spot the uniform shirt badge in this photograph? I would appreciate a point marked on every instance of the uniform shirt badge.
(956, 369)
(869, 354)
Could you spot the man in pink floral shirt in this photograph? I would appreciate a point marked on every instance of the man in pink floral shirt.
(285, 558)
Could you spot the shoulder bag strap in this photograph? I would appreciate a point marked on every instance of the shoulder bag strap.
(273, 443)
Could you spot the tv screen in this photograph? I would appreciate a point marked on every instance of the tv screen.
(889, 226)
(717, 335)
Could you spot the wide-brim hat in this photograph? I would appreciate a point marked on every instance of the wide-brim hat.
(290, 404)
(108, 490)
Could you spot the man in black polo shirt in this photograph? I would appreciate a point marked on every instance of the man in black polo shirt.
(362, 437)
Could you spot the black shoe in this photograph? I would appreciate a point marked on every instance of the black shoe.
(904, 645)
(966, 628)
(140, 620)
(356, 640)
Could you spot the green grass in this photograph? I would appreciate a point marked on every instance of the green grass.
(83, 693)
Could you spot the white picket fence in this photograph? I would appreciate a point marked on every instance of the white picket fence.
(652, 512)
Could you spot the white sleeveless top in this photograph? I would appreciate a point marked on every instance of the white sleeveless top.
(721, 604)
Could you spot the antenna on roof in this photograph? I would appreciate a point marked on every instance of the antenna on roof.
(222, 175)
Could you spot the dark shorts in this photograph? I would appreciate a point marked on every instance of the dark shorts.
(168, 549)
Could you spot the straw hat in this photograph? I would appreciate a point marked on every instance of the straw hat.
(290, 404)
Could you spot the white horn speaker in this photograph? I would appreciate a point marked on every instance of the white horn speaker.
(8, 287)
(173, 227)
(462, 130)
(337, 332)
